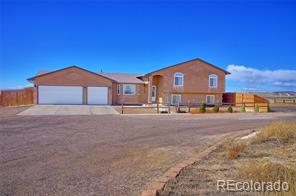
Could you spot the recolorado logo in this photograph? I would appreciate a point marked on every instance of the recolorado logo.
(252, 186)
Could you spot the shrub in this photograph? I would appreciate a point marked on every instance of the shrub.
(234, 151)
(202, 107)
(216, 109)
(181, 111)
(243, 109)
(281, 131)
(178, 110)
(257, 108)
(229, 109)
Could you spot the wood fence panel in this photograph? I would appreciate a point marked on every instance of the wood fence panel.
(17, 97)
(259, 99)
(228, 98)
(263, 104)
(246, 99)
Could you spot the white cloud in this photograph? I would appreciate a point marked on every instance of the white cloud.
(277, 78)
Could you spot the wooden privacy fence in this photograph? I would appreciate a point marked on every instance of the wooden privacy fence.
(246, 99)
(17, 97)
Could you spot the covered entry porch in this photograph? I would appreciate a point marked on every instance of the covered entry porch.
(156, 92)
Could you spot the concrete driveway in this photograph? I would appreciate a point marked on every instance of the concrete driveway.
(68, 110)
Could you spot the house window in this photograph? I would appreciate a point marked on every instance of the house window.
(210, 99)
(153, 93)
(129, 89)
(213, 81)
(178, 79)
(118, 89)
(176, 99)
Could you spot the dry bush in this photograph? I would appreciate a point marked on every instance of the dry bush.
(195, 111)
(264, 171)
(282, 131)
(234, 151)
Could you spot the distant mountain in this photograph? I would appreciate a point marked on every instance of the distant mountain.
(277, 94)
(293, 92)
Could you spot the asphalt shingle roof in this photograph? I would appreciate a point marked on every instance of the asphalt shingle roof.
(118, 77)
(123, 77)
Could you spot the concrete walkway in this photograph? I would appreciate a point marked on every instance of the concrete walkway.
(68, 110)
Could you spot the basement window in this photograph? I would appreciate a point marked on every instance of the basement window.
(210, 99)
(176, 99)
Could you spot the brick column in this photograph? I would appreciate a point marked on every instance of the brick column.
(84, 94)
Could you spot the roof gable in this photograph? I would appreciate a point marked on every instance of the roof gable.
(196, 59)
(74, 66)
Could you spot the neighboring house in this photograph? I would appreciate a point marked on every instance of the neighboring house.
(193, 81)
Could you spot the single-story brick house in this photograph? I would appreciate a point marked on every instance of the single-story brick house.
(193, 81)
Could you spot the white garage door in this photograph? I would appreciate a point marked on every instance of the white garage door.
(60, 95)
(97, 95)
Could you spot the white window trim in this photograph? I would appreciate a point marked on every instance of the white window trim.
(118, 89)
(216, 84)
(182, 76)
(213, 99)
(175, 95)
(129, 84)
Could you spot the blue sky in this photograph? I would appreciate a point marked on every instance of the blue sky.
(254, 40)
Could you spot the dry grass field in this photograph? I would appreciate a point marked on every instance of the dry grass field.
(268, 156)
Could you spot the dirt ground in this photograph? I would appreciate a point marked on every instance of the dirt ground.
(107, 154)
(201, 177)
(11, 111)
(135, 110)
(283, 107)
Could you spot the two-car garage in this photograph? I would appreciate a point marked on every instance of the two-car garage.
(72, 95)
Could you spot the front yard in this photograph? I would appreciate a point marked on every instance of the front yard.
(105, 154)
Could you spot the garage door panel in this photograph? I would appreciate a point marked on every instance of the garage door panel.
(97, 95)
(60, 95)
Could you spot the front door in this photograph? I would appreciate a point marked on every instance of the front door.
(153, 94)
